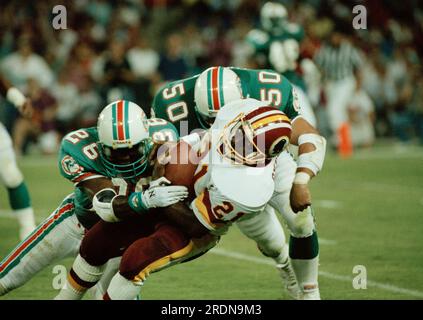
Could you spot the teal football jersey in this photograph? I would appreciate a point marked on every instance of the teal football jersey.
(175, 101)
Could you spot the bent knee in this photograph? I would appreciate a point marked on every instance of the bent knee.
(10, 173)
(303, 224)
(153, 253)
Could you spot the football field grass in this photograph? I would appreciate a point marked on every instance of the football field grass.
(369, 212)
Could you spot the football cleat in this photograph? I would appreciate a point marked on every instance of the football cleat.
(289, 280)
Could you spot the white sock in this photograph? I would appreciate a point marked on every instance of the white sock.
(26, 221)
(85, 272)
(112, 267)
(69, 292)
(122, 289)
(282, 258)
(307, 272)
(3, 290)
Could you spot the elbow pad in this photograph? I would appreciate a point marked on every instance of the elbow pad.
(312, 160)
(103, 204)
(15, 97)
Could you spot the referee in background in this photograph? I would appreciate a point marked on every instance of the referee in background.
(339, 63)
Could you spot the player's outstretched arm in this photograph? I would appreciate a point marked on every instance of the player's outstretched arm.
(16, 97)
(311, 155)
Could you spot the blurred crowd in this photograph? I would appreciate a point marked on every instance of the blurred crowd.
(114, 49)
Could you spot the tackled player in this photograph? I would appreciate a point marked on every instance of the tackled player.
(194, 102)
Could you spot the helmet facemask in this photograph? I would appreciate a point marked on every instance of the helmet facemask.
(206, 121)
(128, 162)
(237, 144)
(254, 139)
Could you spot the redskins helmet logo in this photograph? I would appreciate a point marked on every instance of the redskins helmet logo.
(278, 146)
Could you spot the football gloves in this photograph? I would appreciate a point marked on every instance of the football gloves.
(159, 194)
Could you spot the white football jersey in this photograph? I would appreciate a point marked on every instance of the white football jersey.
(226, 191)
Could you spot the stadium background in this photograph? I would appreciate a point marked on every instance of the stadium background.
(368, 207)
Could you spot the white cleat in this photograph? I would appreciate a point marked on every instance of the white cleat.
(289, 279)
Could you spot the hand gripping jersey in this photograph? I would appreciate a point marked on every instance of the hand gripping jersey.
(226, 191)
(175, 101)
(79, 160)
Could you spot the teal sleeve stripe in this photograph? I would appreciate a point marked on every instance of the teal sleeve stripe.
(209, 97)
(127, 136)
(222, 100)
(114, 121)
(136, 203)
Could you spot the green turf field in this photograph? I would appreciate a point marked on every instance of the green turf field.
(369, 211)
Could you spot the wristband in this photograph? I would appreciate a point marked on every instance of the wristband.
(136, 203)
(301, 178)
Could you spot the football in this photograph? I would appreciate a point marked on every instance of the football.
(179, 166)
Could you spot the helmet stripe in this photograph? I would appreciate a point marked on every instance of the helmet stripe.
(114, 122)
(267, 120)
(215, 88)
(222, 99)
(209, 89)
(120, 129)
(127, 119)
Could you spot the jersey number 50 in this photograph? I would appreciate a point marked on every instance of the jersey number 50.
(270, 95)
(179, 110)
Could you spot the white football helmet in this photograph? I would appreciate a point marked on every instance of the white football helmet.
(273, 16)
(123, 139)
(214, 88)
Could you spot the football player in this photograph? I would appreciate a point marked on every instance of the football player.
(242, 169)
(275, 27)
(10, 174)
(269, 132)
(276, 45)
(194, 102)
(105, 163)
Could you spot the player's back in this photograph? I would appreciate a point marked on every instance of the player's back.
(268, 85)
(175, 103)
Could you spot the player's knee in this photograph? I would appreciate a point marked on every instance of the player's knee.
(271, 248)
(150, 254)
(95, 251)
(10, 173)
(303, 224)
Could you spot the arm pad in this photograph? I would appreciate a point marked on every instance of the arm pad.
(312, 160)
(15, 97)
(103, 204)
